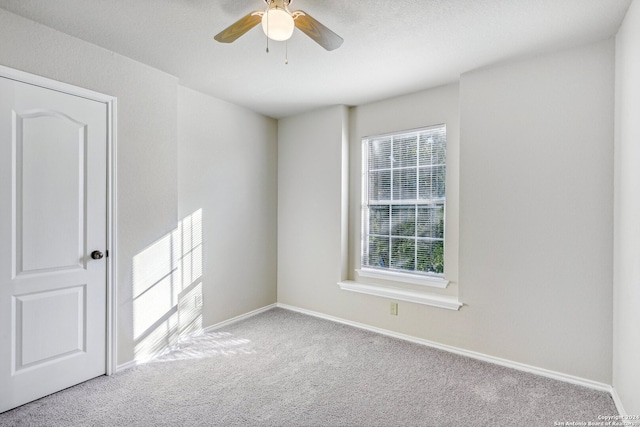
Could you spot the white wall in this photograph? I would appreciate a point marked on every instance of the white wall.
(535, 213)
(536, 224)
(626, 317)
(147, 150)
(227, 161)
(310, 154)
(310, 213)
(227, 167)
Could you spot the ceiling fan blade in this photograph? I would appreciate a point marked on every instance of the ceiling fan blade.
(318, 32)
(237, 29)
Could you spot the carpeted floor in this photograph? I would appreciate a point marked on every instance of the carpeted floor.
(282, 368)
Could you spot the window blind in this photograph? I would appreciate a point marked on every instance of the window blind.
(404, 201)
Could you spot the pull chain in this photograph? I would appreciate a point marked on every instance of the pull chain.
(267, 12)
(286, 52)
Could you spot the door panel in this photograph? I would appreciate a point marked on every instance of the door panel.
(48, 325)
(53, 149)
(49, 190)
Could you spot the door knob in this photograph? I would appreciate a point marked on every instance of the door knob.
(97, 255)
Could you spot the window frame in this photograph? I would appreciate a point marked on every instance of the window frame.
(414, 277)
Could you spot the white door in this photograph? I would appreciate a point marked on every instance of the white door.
(53, 190)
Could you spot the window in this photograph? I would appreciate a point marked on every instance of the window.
(404, 202)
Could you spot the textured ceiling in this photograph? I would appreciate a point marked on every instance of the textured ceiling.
(391, 47)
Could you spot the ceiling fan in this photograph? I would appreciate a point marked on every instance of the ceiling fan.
(278, 23)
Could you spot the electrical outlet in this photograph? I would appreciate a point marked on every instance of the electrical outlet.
(393, 309)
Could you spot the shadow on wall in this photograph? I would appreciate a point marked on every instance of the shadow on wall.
(167, 289)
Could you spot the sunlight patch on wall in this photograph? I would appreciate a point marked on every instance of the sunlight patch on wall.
(167, 289)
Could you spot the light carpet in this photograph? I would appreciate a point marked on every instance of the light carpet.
(281, 368)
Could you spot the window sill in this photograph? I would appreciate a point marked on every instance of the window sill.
(442, 301)
(435, 282)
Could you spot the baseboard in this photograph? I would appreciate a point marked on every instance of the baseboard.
(468, 353)
(618, 402)
(127, 365)
(239, 318)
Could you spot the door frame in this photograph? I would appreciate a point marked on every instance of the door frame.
(111, 103)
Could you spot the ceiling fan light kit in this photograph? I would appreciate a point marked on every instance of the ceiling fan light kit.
(278, 23)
